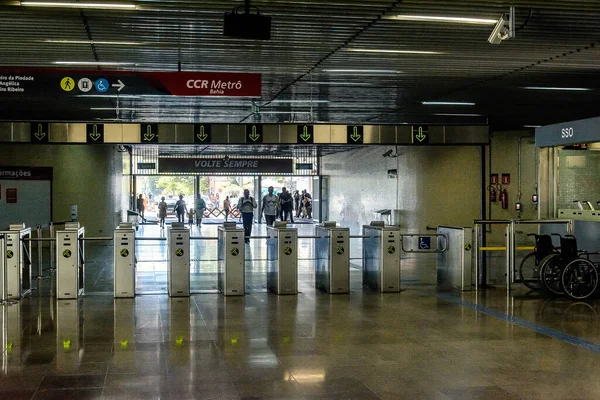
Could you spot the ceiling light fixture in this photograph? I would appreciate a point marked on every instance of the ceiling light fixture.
(339, 83)
(298, 101)
(118, 6)
(566, 89)
(436, 18)
(101, 42)
(447, 103)
(114, 109)
(532, 126)
(457, 115)
(363, 71)
(92, 63)
(358, 50)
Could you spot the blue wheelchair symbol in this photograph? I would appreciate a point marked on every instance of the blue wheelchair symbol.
(424, 243)
(101, 85)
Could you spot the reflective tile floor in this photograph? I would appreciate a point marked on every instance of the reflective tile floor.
(418, 344)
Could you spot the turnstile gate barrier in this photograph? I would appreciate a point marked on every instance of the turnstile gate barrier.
(70, 266)
(178, 260)
(381, 257)
(454, 266)
(124, 260)
(282, 259)
(332, 258)
(232, 254)
(17, 261)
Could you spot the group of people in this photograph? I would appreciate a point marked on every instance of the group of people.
(303, 204)
(280, 206)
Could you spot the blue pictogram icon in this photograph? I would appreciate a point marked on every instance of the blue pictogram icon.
(101, 85)
(424, 242)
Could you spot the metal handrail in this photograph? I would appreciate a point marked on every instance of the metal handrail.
(441, 250)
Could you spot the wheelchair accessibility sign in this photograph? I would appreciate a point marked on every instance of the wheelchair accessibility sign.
(424, 242)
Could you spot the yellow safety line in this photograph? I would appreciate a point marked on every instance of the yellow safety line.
(503, 248)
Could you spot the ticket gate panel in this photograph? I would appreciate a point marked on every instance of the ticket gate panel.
(17, 261)
(3, 293)
(69, 263)
(178, 260)
(232, 254)
(332, 264)
(282, 260)
(381, 258)
(124, 262)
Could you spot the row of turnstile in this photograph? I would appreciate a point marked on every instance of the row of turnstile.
(381, 259)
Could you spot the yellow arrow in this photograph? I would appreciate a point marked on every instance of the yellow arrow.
(40, 134)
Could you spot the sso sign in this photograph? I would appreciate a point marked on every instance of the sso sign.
(575, 132)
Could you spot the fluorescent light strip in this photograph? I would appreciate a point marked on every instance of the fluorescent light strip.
(115, 109)
(92, 63)
(393, 51)
(284, 112)
(532, 126)
(363, 71)
(436, 18)
(298, 101)
(93, 42)
(566, 89)
(447, 103)
(458, 115)
(339, 83)
(78, 5)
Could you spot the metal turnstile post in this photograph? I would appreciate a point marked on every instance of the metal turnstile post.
(232, 255)
(332, 263)
(381, 257)
(70, 266)
(178, 260)
(124, 260)
(282, 259)
(17, 261)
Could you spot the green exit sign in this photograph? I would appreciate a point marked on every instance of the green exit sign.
(420, 134)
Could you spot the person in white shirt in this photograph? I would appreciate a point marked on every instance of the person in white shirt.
(270, 207)
(246, 205)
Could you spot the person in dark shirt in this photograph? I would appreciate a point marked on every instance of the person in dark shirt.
(141, 207)
(286, 201)
(180, 209)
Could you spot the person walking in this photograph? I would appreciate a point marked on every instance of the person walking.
(296, 200)
(308, 205)
(162, 211)
(141, 207)
(200, 207)
(226, 207)
(180, 209)
(246, 205)
(286, 205)
(270, 207)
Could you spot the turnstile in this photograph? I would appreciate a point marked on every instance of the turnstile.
(232, 254)
(381, 257)
(17, 261)
(332, 263)
(70, 261)
(124, 260)
(178, 260)
(454, 266)
(282, 259)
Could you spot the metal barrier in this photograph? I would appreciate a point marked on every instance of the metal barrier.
(510, 248)
(454, 264)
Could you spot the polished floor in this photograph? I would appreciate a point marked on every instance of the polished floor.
(418, 344)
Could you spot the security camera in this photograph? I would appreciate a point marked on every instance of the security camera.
(504, 29)
(388, 153)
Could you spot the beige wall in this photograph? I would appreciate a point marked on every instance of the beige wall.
(436, 185)
(86, 175)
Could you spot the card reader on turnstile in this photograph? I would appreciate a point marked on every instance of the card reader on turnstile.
(70, 267)
(124, 260)
(332, 264)
(282, 259)
(178, 260)
(232, 255)
(17, 261)
(381, 257)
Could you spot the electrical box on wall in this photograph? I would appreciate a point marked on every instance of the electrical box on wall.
(74, 212)
(392, 173)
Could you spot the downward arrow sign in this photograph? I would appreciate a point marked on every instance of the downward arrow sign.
(40, 134)
(95, 135)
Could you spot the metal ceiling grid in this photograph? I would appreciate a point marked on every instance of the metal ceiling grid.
(555, 48)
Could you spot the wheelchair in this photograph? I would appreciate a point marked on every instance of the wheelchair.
(567, 272)
(529, 269)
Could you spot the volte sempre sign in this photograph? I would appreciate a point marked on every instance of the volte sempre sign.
(233, 165)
